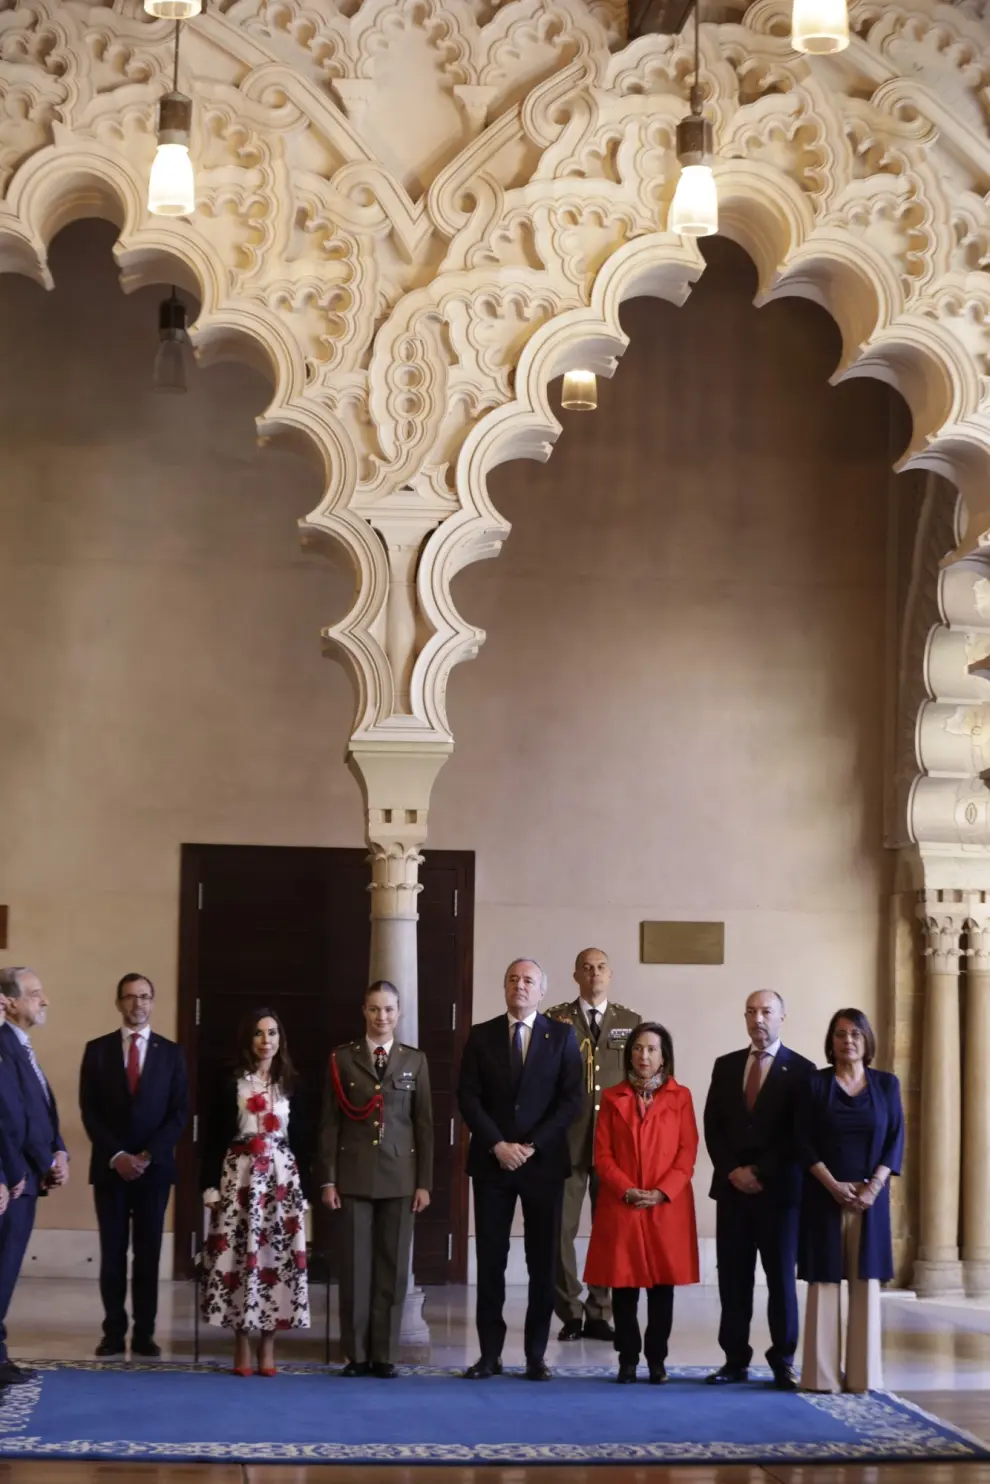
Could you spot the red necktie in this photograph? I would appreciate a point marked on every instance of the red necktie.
(754, 1080)
(133, 1065)
(381, 1058)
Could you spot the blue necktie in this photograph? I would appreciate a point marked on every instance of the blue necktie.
(516, 1053)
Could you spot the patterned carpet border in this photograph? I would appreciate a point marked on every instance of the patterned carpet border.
(887, 1429)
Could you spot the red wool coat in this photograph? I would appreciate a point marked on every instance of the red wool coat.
(637, 1249)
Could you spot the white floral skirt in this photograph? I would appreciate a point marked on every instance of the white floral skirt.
(254, 1275)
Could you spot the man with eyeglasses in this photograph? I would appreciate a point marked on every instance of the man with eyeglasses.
(134, 1099)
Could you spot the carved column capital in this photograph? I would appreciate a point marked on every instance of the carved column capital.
(943, 916)
(395, 883)
(396, 780)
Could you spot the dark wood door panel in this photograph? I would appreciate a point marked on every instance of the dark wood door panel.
(288, 928)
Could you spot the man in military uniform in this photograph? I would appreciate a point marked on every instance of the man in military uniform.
(376, 1167)
(602, 1028)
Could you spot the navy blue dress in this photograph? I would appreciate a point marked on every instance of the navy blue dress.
(851, 1137)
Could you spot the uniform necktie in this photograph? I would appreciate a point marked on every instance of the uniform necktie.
(133, 1064)
(754, 1078)
(516, 1055)
(596, 1025)
(381, 1057)
(37, 1070)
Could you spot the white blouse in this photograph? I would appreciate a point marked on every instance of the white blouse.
(250, 1124)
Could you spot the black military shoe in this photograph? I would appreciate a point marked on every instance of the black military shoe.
(598, 1329)
(483, 1369)
(571, 1329)
(728, 1375)
(356, 1368)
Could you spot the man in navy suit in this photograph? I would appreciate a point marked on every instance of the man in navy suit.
(756, 1186)
(42, 1152)
(520, 1089)
(134, 1099)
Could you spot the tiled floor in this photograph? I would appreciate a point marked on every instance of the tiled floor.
(938, 1354)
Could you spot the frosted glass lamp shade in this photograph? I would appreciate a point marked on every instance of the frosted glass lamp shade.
(170, 368)
(172, 186)
(694, 209)
(173, 10)
(819, 26)
(580, 393)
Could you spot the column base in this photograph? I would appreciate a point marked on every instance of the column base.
(934, 1279)
(414, 1329)
(976, 1277)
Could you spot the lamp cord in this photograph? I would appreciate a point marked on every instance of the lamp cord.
(696, 85)
(175, 70)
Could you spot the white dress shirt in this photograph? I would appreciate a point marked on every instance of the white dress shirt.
(768, 1055)
(374, 1045)
(143, 1034)
(527, 1025)
(588, 1010)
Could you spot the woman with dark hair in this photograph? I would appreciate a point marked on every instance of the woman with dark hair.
(255, 1257)
(850, 1130)
(643, 1234)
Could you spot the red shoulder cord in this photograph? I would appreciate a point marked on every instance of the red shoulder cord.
(376, 1103)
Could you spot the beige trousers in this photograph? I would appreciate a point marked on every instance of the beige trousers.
(821, 1368)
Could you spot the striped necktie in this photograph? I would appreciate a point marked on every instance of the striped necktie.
(36, 1069)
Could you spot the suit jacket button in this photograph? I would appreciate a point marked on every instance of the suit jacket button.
(596, 1107)
(378, 1087)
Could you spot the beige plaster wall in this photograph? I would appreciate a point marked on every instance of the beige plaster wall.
(678, 712)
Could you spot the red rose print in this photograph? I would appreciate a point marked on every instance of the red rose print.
(243, 1196)
(268, 1276)
(231, 1281)
(256, 1145)
(271, 1122)
(280, 1192)
(291, 1225)
(299, 1258)
(261, 1164)
(251, 1261)
(217, 1243)
(282, 1324)
(257, 1103)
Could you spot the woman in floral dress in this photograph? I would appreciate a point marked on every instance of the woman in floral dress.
(255, 1258)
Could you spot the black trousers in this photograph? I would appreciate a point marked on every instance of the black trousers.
(659, 1318)
(494, 1208)
(747, 1226)
(16, 1226)
(130, 1212)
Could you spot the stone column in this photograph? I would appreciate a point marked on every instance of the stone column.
(938, 1269)
(976, 1103)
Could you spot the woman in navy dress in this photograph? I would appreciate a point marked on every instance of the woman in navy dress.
(851, 1137)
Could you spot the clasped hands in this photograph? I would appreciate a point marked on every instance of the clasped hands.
(745, 1179)
(855, 1195)
(512, 1156)
(641, 1200)
(131, 1166)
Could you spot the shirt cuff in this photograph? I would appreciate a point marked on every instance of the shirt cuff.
(117, 1156)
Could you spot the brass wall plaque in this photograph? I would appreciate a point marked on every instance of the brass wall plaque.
(3, 927)
(682, 942)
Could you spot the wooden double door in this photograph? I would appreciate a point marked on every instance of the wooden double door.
(288, 927)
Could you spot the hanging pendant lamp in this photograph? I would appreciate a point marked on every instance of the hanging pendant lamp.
(819, 27)
(169, 375)
(580, 391)
(694, 209)
(172, 185)
(173, 10)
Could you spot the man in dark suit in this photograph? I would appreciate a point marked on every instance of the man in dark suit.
(134, 1100)
(520, 1090)
(42, 1151)
(756, 1186)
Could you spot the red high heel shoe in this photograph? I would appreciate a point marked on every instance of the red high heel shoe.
(267, 1370)
(243, 1370)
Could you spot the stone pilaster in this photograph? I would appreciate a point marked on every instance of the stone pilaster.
(976, 1102)
(937, 1270)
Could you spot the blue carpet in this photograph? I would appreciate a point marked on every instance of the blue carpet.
(188, 1413)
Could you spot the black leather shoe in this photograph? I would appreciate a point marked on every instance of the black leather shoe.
(728, 1375)
(598, 1329)
(538, 1370)
(148, 1349)
(626, 1374)
(384, 1370)
(658, 1375)
(356, 1368)
(483, 1369)
(15, 1375)
(109, 1347)
(785, 1378)
(571, 1329)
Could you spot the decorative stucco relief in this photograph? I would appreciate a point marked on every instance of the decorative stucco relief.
(416, 213)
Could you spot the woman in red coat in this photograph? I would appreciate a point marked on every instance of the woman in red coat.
(643, 1234)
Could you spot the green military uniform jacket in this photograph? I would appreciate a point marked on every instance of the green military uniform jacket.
(603, 1067)
(361, 1157)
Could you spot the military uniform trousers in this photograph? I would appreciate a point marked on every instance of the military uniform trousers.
(374, 1274)
(568, 1305)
